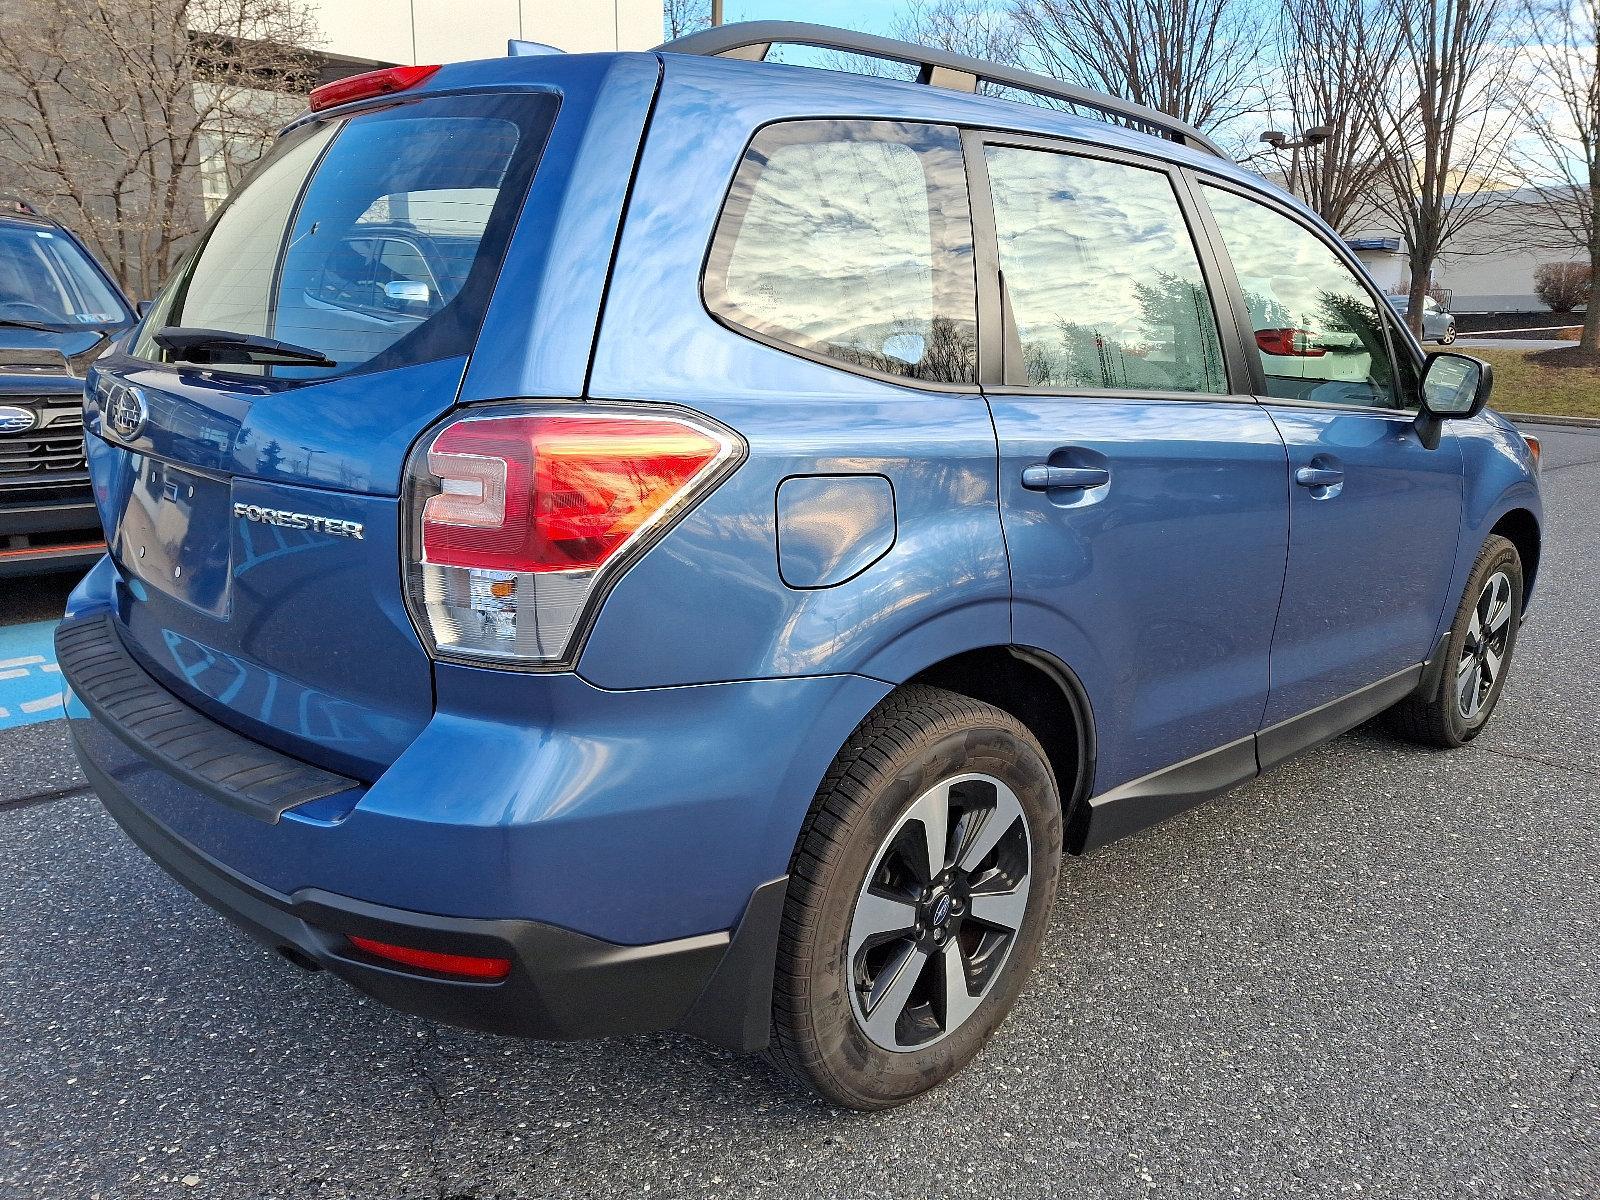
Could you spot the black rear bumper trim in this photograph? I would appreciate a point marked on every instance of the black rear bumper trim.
(209, 757)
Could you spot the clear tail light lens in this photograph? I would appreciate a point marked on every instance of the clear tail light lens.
(522, 518)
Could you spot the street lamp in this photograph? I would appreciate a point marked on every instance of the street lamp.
(716, 13)
(1278, 140)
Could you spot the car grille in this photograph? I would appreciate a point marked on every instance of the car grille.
(50, 449)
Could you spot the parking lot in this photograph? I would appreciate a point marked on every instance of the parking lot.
(1374, 972)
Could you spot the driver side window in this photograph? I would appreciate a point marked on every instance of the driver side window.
(1319, 332)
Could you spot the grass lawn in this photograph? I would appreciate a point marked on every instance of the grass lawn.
(1544, 381)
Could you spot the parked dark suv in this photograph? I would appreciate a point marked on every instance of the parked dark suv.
(58, 310)
(604, 543)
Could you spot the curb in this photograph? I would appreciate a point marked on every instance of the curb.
(1540, 419)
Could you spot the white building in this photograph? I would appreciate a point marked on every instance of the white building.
(390, 32)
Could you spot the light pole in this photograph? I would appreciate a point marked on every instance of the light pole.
(1279, 141)
(716, 13)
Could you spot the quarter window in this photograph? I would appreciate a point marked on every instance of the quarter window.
(1319, 332)
(1102, 275)
(851, 240)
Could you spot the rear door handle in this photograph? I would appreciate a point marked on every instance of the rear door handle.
(1041, 477)
(1318, 477)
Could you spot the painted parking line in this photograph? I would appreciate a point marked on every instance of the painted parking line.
(30, 681)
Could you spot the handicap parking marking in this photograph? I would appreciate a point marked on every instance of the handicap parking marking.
(30, 680)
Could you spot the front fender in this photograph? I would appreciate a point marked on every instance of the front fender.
(1500, 478)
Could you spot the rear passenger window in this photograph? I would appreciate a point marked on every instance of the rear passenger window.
(1102, 275)
(852, 240)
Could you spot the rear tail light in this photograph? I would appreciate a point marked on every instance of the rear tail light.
(1295, 342)
(522, 518)
(1536, 449)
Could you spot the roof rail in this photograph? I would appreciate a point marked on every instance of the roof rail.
(752, 40)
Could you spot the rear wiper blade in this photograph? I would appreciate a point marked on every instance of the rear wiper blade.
(224, 346)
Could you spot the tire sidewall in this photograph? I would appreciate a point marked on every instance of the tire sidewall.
(867, 1073)
(1498, 555)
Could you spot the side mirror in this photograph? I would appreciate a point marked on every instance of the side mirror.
(1454, 386)
(143, 308)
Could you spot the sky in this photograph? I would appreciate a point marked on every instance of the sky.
(871, 16)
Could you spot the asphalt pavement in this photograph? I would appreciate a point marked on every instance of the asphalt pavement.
(1374, 972)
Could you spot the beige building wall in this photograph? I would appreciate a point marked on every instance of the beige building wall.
(430, 31)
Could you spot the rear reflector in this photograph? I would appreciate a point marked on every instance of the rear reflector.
(467, 965)
(367, 85)
(520, 517)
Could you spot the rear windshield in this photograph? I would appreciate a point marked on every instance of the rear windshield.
(373, 240)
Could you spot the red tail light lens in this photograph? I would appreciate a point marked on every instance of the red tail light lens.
(1295, 342)
(468, 965)
(522, 516)
(554, 493)
(367, 85)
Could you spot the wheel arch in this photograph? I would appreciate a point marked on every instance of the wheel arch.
(1040, 691)
(1521, 528)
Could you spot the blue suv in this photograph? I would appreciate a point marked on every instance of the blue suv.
(623, 542)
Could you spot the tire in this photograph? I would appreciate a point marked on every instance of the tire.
(846, 1021)
(1457, 708)
(1449, 336)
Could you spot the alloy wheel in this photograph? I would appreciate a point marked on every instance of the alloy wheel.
(1484, 651)
(939, 912)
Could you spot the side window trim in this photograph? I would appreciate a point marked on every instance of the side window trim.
(999, 372)
(730, 219)
(1197, 181)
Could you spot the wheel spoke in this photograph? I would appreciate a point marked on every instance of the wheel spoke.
(890, 992)
(1491, 666)
(997, 822)
(1474, 628)
(932, 811)
(1499, 608)
(1003, 909)
(1467, 687)
(958, 1001)
(879, 914)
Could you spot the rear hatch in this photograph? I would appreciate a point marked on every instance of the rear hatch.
(250, 497)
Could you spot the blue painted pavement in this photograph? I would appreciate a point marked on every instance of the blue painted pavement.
(30, 681)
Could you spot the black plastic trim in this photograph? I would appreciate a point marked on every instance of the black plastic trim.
(1288, 738)
(231, 769)
(1140, 803)
(1153, 798)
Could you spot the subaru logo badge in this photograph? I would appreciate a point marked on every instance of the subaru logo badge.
(15, 420)
(126, 411)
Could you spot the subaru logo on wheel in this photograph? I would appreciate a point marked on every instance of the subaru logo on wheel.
(126, 411)
(15, 420)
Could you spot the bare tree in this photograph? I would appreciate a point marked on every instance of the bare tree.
(972, 27)
(1332, 54)
(111, 107)
(680, 17)
(1560, 162)
(1443, 124)
(1198, 60)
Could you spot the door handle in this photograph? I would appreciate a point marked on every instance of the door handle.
(1041, 477)
(1318, 477)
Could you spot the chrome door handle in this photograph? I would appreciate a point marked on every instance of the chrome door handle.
(1041, 477)
(1318, 477)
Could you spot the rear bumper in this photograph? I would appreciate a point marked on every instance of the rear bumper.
(626, 851)
(562, 984)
